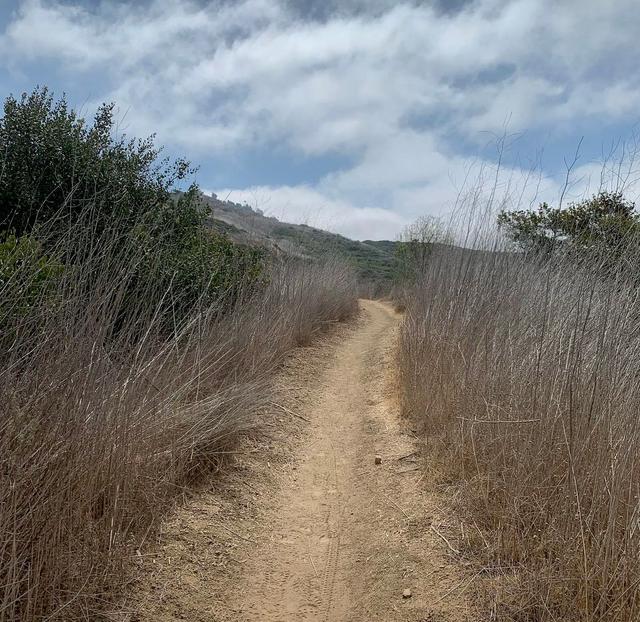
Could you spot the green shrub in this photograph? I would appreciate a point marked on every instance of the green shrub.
(27, 276)
(55, 164)
(194, 265)
(607, 221)
(59, 173)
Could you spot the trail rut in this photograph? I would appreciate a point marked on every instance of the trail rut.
(311, 529)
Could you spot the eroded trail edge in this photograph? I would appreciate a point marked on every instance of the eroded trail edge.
(316, 531)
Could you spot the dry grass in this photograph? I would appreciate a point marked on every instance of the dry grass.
(526, 375)
(105, 421)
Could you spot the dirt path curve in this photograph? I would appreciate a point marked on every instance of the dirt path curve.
(328, 535)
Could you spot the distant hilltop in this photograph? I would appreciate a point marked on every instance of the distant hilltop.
(373, 259)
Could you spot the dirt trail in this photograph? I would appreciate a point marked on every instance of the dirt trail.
(317, 531)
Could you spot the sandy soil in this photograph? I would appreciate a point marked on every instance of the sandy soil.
(305, 525)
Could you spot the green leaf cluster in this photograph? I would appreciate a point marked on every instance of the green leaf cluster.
(606, 220)
(27, 276)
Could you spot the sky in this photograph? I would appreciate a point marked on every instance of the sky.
(358, 116)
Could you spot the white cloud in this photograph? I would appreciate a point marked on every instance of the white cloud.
(385, 84)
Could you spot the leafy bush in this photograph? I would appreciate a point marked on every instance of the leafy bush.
(54, 164)
(58, 172)
(27, 276)
(606, 219)
(195, 265)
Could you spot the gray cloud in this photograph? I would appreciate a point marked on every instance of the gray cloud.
(383, 82)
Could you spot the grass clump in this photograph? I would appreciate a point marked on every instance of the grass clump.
(523, 369)
(137, 345)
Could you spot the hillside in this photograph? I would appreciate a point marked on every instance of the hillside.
(373, 259)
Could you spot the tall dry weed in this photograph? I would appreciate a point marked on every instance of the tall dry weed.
(106, 416)
(525, 373)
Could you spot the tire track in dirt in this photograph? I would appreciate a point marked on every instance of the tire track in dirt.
(328, 535)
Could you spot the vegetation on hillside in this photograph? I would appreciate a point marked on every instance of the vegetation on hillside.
(373, 260)
(379, 263)
(136, 345)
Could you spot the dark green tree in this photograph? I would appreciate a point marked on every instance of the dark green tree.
(53, 165)
(72, 189)
(606, 220)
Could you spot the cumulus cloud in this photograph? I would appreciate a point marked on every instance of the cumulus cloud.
(406, 90)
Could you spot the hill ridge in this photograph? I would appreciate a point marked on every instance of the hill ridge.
(373, 259)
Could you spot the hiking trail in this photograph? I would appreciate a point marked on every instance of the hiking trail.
(306, 526)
